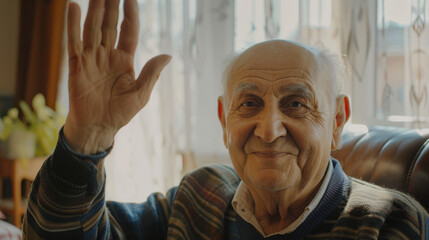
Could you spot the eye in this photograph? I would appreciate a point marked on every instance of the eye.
(292, 103)
(296, 104)
(294, 107)
(249, 104)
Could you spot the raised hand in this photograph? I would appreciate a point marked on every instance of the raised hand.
(104, 94)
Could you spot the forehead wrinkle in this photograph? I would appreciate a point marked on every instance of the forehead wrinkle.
(293, 73)
(274, 75)
(255, 73)
(249, 79)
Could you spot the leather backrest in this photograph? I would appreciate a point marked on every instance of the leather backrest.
(392, 157)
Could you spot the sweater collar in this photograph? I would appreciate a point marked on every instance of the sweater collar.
(336, 190)
(243, 205)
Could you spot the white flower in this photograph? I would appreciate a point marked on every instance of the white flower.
(13, 113)
(39, 101)
(41, 121)
(43, 113)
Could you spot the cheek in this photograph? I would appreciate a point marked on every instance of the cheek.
(237, 133)
(312, 138)
(314, 149)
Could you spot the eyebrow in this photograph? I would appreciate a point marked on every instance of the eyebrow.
(300, 89)
(246, 87)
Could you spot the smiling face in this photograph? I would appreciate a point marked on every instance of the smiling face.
(280, 119)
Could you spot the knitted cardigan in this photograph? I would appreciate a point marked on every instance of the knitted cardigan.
(67, 202)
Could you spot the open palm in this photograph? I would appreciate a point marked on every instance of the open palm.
(104, 94)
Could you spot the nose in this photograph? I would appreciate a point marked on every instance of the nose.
(270, 125)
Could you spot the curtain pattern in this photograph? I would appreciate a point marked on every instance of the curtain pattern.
(418, 91)
(402, 78)
(387, 94)
(272, 13)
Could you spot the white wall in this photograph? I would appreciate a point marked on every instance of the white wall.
(9, 41)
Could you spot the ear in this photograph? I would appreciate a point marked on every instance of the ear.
(221, 116)
(342, 115)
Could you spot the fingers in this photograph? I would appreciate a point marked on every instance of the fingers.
(73, 30)
(110, 23)
(73, 37)
(128, 37)
(150, 74)
(92, 33)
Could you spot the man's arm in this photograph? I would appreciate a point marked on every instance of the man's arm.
(67, 199)
(67, 202)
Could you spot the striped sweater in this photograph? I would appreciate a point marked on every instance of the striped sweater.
(67, 202)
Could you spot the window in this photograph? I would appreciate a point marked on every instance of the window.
(402, 76)
(256, 21)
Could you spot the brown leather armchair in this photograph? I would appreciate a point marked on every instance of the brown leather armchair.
(393, 157)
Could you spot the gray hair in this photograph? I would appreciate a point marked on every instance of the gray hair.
(330, 66)
(227, 71)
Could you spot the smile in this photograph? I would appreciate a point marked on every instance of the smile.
(271, 154)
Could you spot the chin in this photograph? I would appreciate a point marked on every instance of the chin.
(274, 180)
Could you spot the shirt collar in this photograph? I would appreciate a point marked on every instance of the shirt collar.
(244, 205)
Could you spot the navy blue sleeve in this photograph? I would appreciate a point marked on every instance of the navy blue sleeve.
(148, 220)
(67, 201)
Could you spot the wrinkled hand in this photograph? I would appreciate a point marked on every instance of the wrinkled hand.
(104, 94)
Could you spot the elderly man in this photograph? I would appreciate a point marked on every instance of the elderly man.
(282, 114)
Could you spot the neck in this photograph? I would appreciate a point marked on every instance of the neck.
(277, 210)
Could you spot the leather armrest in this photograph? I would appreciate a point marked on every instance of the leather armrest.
(392, 157)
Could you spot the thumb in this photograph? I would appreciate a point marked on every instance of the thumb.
(150, 74)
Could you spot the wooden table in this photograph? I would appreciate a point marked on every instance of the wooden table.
(16, 171)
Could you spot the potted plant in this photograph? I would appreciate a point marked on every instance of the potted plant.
(35, 135)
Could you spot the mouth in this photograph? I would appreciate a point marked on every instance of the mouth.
(271, 154)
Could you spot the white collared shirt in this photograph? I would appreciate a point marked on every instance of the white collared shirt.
(243, 205)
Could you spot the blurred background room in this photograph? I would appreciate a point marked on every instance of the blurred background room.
(383, 43)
